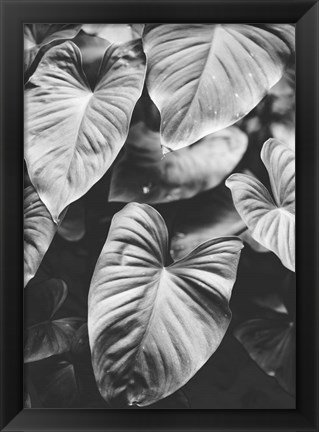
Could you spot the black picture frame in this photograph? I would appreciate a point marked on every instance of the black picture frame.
(305, 13)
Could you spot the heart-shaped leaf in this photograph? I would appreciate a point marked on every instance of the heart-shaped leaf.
(43, 36)
(271, 220)
(73, 134)
(114, 33)
(272, 344)
(151, 327)
(206, 216)
(142, 175)
(205, 77)
(39, 230)
(51, 338)
(47, 337)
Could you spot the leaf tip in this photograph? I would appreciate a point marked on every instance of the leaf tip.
(230, 181)
(270, 145)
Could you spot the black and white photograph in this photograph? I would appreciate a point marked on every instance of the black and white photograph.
(159, 216)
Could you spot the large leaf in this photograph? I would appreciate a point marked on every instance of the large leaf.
(152, 326)
(47, 336)
(43, 36)
(73, 133)
(271, 220)
(205, 77)
(39, 230)
(204, 217)
(272, 344)
(143, 175)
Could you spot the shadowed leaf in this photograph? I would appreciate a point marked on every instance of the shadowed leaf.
(47, 336)
(232, 380)
(204, 217)
(271, 343)
(143, 175)
(56, 383)
(72, 228)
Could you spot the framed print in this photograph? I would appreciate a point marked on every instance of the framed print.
(167, 283)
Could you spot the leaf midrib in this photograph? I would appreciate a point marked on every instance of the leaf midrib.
(76, 140)
(148, 326)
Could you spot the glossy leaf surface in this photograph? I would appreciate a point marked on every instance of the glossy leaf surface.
(205, 77)
(270, 219)
(73, 133)
(143, 175)
(152, 326)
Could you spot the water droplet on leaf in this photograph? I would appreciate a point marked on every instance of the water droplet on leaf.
(146, 189)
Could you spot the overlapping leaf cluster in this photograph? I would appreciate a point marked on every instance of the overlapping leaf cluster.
(156, 115)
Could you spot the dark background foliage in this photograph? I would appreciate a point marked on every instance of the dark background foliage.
(265, 290)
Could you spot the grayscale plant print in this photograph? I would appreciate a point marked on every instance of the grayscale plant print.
(159, 216)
